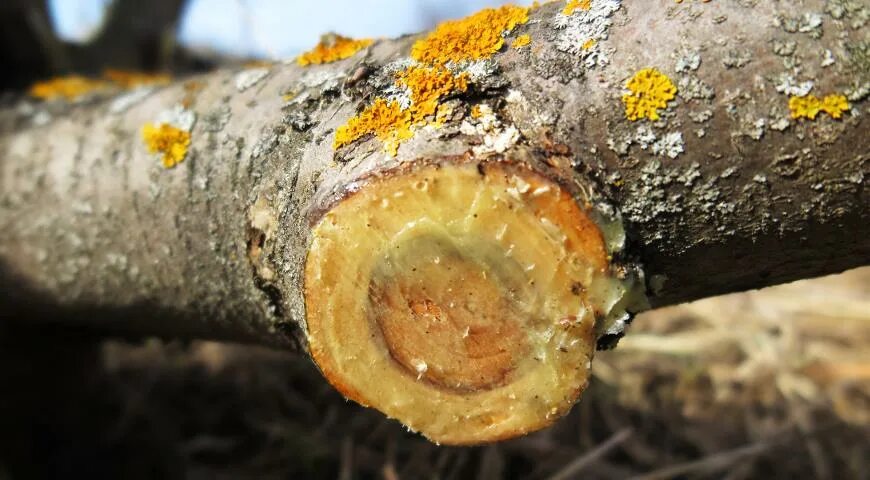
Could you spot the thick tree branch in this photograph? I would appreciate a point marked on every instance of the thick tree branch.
(265, 232)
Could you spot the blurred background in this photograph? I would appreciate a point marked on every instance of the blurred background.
(765, 384)
(44, 38)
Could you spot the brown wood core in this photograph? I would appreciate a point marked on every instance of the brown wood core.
(446, 317)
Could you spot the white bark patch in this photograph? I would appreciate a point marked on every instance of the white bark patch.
(670, 145)
(477, 70)
(325, 79)
(828, 59)
(584, 30)
(400, 94)
(687, 60)
(123, 102)
(177, 116)
(780, 124)
(788, 85)
(41, 118)
(645, 137)
(497, 137)
(250, 77)
(514, 96)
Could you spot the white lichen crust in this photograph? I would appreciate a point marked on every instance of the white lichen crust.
(583, 30)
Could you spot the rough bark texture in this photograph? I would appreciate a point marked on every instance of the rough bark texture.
(94, 230)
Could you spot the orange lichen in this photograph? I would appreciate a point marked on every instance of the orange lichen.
(442, 115)
(69, 87)
(170, 141)
(474, 37)
(650, 91)
(392, 125)
(476, 112)
(575, 4)
(428, 86)
(522, 41)
(74, 86)
(332, 48)
(809, 106)
(804, 107)
(386, 120)
(126, 79)
(835, 105)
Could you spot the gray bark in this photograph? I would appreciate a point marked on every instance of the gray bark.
(93, 231)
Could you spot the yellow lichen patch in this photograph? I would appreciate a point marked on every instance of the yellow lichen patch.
(392, 125)
(332, 48)
(476, 112)
(385, 120)
(835, 105)
(522, 41)
(445, 111)
(809, 106)
(475, 37)
(589, 44)
(69, 87)
(126, 79)
(170, 141)
(804, 107)
(650, 91)
(428, 85)
(575, 4)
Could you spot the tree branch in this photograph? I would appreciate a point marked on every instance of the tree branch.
(356, 208)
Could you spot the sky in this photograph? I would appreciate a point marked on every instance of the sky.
(277, 29)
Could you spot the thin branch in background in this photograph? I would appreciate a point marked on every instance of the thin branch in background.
(578, 464)
(709, 464)
(346, 471)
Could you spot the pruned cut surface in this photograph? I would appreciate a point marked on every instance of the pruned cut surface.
(457, 299)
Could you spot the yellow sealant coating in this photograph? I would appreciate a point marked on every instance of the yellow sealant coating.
(650, 91)
(476, 37)
(809, 106)
(408, 259)
(170, 141)
(332, 48)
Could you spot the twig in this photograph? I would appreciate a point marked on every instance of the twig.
(346, 471)
(710, 463)
(591, 456)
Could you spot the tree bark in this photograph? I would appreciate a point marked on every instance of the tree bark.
(94, 231)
